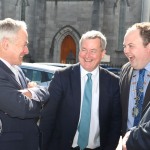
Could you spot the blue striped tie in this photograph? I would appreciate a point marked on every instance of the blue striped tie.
(84, 125)
(139, 96)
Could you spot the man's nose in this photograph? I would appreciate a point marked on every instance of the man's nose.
(26, 50)
(126, 50)
(88, 53)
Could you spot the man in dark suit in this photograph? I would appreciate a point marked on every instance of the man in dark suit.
(61, 116)
(137, 49)
(125, 78)
(138, 137)
(20, 100)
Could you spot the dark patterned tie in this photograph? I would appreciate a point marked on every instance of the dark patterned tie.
(84, 125)
(139, 96)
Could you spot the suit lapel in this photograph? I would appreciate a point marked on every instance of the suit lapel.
(76, 91)
(9, 72)
(146, 99)
(22, 79)
(125, 89)
(102, 91)
(127, 86)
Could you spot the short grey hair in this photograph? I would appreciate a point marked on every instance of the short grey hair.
(93, 34)
(9, 27)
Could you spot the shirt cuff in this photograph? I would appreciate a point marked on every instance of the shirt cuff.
(34, 96)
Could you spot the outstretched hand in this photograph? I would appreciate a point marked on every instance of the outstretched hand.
(125, 138)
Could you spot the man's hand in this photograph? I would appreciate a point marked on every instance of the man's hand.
(125, 138)
(26, 92)
(32, 84)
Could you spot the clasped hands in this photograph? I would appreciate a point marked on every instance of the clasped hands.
(27, 92)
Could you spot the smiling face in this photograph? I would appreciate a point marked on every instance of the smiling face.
(15, 49)
(90, 54)
(135, 51)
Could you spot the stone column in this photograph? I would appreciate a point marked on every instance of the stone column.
(121, 24)
(145, 14)
(95, 25)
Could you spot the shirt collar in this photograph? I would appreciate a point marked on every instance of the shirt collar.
(147, 67)
(84, 72)
(6, 62)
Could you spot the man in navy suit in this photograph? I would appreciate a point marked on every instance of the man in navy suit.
(62, 114)
(20, 101)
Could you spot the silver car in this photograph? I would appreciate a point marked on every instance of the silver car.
(54, 64)
(41, 74)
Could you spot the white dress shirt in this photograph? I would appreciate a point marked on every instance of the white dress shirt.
(94, 134)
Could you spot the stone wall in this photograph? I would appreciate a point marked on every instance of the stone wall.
(49, 21)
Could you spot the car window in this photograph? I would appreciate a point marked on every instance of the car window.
(37, 76)
(33, 75)
(50, 75)
(28, 73)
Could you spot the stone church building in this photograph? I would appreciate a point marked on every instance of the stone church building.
(55, 26)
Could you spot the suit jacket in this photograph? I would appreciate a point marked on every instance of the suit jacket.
(125, 80)
(139, 138)
(18, 114)
(60, 115)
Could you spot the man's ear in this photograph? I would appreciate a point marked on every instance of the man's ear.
(103, 53)
(4, 43)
